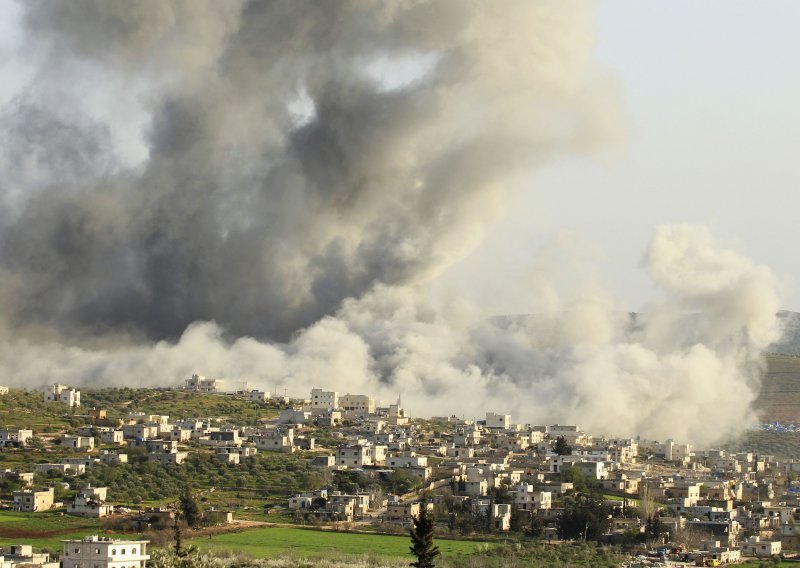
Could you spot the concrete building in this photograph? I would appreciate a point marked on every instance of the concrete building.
(199, 383)
(498, 420)
(324, 400)
(90, 502)
(23, 555)
(357, 404)
(29, 501)
(78, 443)
(102, 552)
(258, 396)
(15, 438)
(62, 393)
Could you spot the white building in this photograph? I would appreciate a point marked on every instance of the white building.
(498, 420)
(357, 404)
(90, 502)
(258, 396)
(23, 555)
(199, 383)
(101, 552)
(62, 393)
(78, 443)
(276, 440)
(29, 501)
(324, 400)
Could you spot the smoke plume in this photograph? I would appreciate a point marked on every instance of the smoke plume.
(264, 191)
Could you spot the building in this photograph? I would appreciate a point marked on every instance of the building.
(199, 383)
(29, 501)
(324, 400)
(15, 438)
(78, 443)
(360, 455)
(23, 555)
(62, 393)
(357, 404)
(102, 552)
(754, 546)
(258, 396)
(90, 502)
(276, 440)
(498, 420)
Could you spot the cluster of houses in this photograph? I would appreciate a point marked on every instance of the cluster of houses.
(744, 504)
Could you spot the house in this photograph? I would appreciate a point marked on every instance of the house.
(78, 443)
(167, 458)
(217, 517)
(30, 501)
(323, 400)
(501, 516)
(307, 499)
(360, 455)
(527, 498)
(276, 440)
(294, 416)
(90, 502)
(62, 393)
(3, 390)
(258, 396)
(357, 405)
(112, 458)
(112, 437)
(199, 383)
(104, 552)
(24, 477)
(15, 438)
(402, 512)
(23, 555)
(754, 546)
(502, 421)
(65, 469)
(352, 505)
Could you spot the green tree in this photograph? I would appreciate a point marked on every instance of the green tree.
(190, 508)
(422, 539)
(561, 447)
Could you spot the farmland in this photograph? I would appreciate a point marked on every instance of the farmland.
(277, 541)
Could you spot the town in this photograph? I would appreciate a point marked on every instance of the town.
(352, 463)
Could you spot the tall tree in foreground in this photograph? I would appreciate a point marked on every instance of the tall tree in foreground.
(422, 539)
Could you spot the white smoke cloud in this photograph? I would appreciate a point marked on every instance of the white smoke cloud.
(686, 368)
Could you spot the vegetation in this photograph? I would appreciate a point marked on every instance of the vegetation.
(422, 540)
(561, 447)
(277, 541)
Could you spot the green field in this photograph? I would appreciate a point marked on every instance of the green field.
(44, 530)
(277, 541)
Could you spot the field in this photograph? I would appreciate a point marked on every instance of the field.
(278, 541)
(43, 530)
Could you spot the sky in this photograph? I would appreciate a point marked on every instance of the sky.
(708, 94)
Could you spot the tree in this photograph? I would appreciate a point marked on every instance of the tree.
(190, 508)
(422, 539)
(561, 447)
(584, 517)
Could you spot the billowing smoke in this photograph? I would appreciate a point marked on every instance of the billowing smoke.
(263, 191)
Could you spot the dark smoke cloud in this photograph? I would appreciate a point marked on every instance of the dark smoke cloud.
(263, 221)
